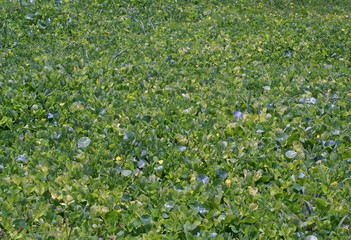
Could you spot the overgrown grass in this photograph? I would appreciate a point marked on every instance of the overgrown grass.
(175, 119)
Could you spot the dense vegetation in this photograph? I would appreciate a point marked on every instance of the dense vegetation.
(175, 119)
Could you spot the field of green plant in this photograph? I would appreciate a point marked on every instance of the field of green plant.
(165, 119)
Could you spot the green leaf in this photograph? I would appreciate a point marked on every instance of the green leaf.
(229, 218)
(19, 224)
(249, 219)
(6, 121)
(321, 203)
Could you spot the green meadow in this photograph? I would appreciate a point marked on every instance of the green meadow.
(174, 119)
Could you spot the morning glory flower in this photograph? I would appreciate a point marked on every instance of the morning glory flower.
(238, 115)
(141, 164)
(22, 158)
(203, 178)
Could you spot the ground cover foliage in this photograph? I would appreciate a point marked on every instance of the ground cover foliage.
(175, 119)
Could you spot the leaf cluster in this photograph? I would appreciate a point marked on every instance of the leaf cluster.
(175, 119)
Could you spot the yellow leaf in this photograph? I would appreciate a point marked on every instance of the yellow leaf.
(252, 191)
(253, 206)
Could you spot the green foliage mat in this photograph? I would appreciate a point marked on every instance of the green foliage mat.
(175, 119)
